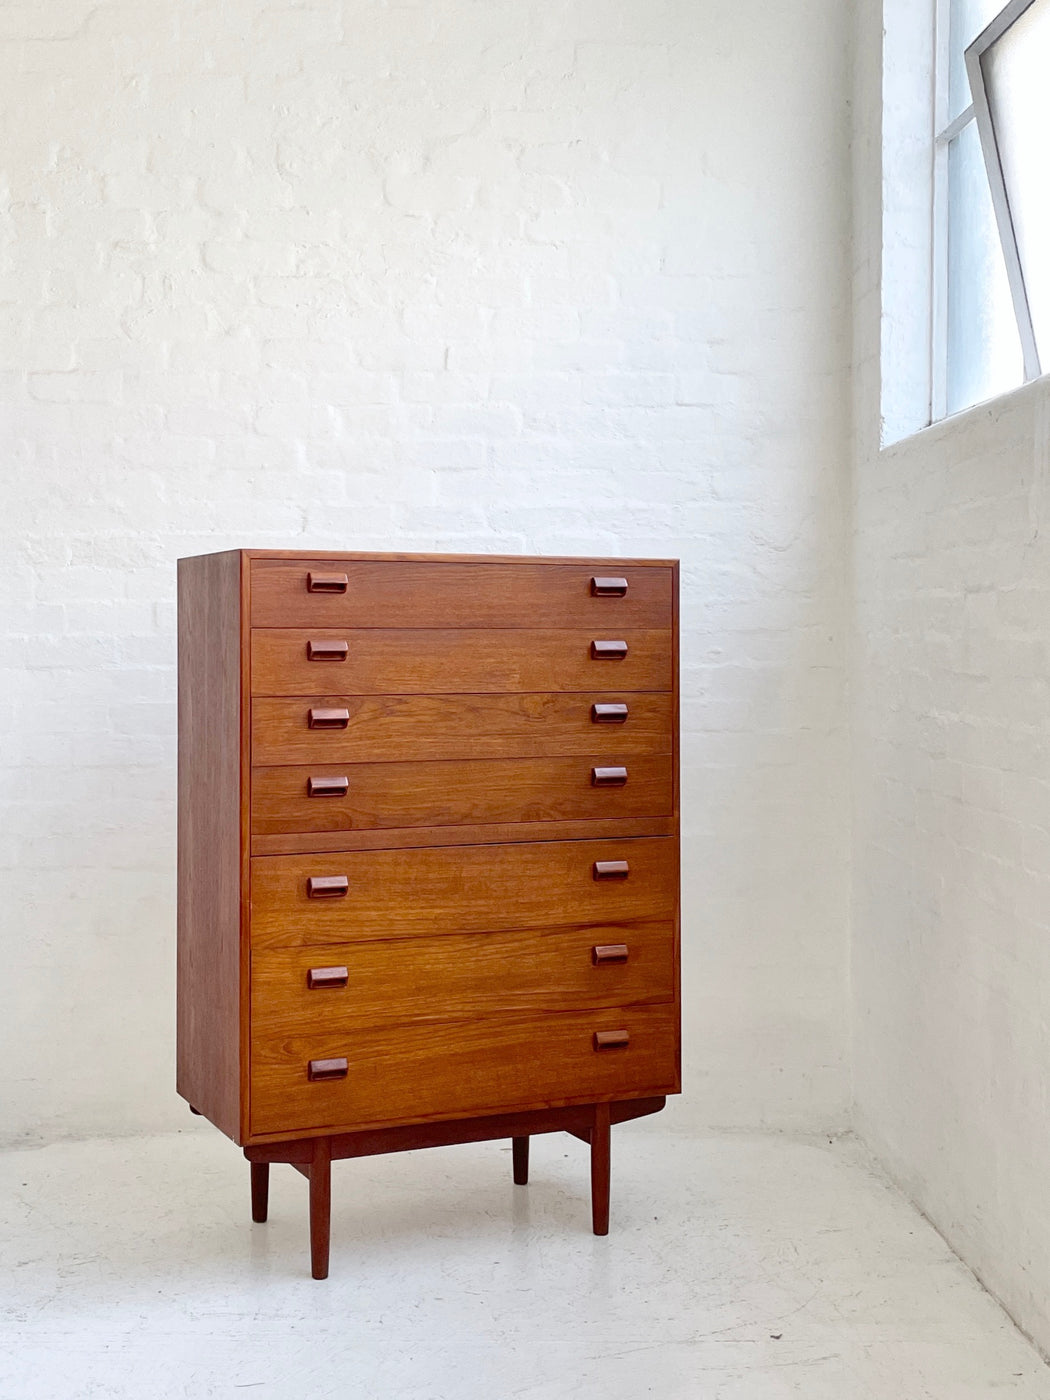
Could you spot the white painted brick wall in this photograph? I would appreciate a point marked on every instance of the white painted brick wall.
(951, 911)
(551, 276)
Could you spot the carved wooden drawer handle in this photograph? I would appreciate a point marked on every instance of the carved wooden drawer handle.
(609, 953)
(608, 777)
(328, 719)
(327, 886)
(320, 977)
(608, 651)
(327, 787)
(326, 583)
(607, 1040)
(327, 651)
(327, 1069)
(609, 587)
(608, 714)
(611, 870)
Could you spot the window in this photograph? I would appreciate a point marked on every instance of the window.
(990, 208)
(1009, 68)
(965, 295)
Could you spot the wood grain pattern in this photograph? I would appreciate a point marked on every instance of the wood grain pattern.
(453, 976)
(245, 841)
(320, 1207)
(438, 593)
(333, 558)
(460, 889)
(677, 776)
(208, 1028)
(448, 793)
(414, 728)
(474, 962)
(459, 1067)
(493, 833)
(425, 1132)
(456, 661)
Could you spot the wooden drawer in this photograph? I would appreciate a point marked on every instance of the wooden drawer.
(367, 796)
(381, 728)
(302, 990)
(408, 662)
(424, 1071)
(459, 889)
(386, 593)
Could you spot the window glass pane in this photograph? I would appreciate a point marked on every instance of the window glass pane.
(1017, 76)
(984, 350)
(966, 20)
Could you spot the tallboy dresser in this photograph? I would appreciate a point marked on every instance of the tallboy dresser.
(428, 854)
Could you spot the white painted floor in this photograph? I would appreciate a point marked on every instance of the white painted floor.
(738, 1268)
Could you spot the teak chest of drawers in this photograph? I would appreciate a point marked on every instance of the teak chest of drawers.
(428, 854)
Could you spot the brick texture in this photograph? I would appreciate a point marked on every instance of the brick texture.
(551, 276)
(951, 911)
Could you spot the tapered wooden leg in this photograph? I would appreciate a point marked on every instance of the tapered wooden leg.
(260, 1189)
(520, 1149)
(600, 1169)
(320, 1206)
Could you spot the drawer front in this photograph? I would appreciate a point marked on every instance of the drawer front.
(298, 991)
(458, 889)
(367, 796)
(456, 1068)
(377, 593)
(382, 728)
(407, 662)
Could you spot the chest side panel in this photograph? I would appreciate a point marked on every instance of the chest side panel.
(210, 839)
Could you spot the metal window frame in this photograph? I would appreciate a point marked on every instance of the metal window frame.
(939, 219)
(974, 56)
(945, 131)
